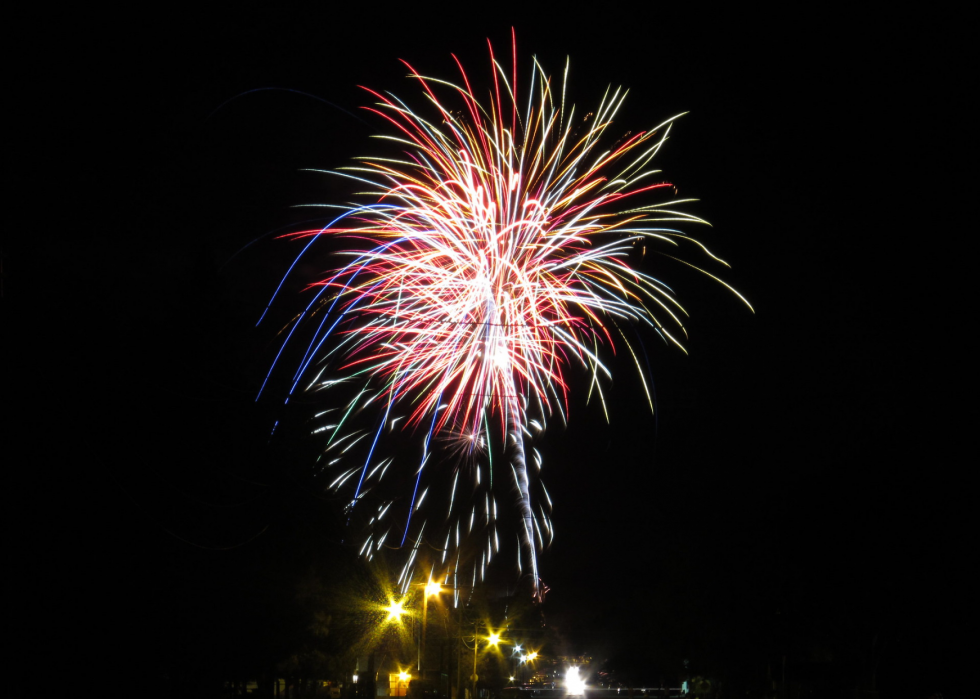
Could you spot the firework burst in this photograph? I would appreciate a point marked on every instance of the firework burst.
(486, 258)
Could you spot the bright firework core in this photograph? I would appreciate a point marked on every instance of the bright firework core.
(491, 256)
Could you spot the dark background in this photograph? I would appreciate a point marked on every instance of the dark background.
(805, 482)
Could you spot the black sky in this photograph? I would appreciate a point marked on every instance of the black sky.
(815, 453)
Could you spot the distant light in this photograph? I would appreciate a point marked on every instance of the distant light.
(354, 678)
(404, 676)
(494, 639)
(432, 588)
(574, 685)
(395, 610)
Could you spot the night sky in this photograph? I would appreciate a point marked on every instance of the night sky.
(810, 460)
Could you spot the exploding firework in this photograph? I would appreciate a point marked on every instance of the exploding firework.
(485, 261)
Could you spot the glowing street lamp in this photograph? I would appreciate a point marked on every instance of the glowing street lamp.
(395, 611)
(400, 685)
(492, 640)
(574, 685)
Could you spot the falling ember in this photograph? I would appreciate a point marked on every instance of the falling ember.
(486, 259)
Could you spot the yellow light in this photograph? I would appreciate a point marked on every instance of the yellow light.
(395, 610)
(532, 656)
(494, 639)
(432, 588)
(404, 676)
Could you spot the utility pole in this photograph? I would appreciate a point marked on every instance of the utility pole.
(476, 644)
(425, 624)
(492, 640)
(459, 652)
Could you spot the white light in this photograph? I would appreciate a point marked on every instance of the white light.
(574, 685)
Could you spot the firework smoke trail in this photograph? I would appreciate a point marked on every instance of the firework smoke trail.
(493, 255)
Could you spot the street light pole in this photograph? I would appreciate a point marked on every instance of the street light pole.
(493, 639)
(476, 644)
(425, 623)
(431, 588)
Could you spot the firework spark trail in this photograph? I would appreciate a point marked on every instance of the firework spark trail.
(494, 255)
